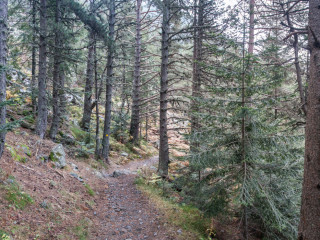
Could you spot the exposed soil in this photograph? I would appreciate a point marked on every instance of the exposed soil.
(117, 211)
(128, 214)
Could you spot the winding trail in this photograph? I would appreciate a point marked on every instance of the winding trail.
(128, 213)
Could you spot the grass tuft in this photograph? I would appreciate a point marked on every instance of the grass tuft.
(183, 216)
(16, 197)
(89, 190)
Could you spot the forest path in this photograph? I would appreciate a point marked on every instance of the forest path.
(127, 213)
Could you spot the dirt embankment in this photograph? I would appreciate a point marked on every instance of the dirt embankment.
(63, 207)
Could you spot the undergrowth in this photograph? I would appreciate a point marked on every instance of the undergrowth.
(4, 235)
(82, 230)
(180, 215)
(89, 190)
(15, 196)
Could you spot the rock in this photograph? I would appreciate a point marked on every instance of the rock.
(74, 167)
(76, 176)
(52, 184)
(43, 158)
(124, 154)
(8, 181)
(98, 174)
(26, 150)
(118, 173)
(44, 204)
(179, 231)
(58, 156)
(153, 168)
(105, 174)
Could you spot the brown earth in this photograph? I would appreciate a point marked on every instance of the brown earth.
(117, 211)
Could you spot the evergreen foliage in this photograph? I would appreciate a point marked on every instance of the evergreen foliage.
(260, 173)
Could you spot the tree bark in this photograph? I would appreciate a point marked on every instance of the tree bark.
(87, 109)
(42, 79)
(110, 58)
(34, 60)
(135, 108)
(196, 76)
(309, 228)
(56, 74)
(251, 27)
(3, 65)
(97, 96)
(164, 146)
(299, 75)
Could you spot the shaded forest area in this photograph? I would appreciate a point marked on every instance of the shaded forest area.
(227, 91)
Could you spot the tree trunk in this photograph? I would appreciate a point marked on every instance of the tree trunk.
(34, 60)
(135, 111)
(164, 146)
(42, 85)
(251, 27)
(3, 65)
(97, 96)
(62, 96)
(87, 109)
(309, 228)
(246, 119)
(111, 50)
(56, 74)
(297, 64)
(196, 76)
(299, 75)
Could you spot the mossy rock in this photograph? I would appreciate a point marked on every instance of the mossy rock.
(58, 156)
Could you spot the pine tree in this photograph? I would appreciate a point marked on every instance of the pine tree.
(3, 69)
(310, 209)
(42, 79)
(253, 160)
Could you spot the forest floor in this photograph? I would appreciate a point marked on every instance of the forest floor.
(84, 200)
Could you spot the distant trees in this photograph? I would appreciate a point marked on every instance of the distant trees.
(3, 70)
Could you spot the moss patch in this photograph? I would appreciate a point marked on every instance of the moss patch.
(16, 197)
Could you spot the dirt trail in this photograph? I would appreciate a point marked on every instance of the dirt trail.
(128, 214)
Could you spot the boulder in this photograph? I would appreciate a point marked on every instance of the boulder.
(118, 173)
(76, 176)
(124, 154)
(58, 156)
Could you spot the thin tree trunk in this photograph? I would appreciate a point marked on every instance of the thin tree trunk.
(246, 119)
(34, 60)
(111, 50)
(297, 65)
(3, 65)
(42, 85)
(164, 146)
(196, 77)
(56, 74)
(62, 96)
(97, 95)
(87, 109)
(135, 112)
(309, 228)
(251, 27)
(298, 73)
